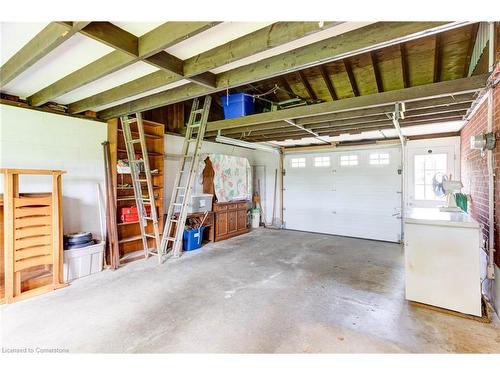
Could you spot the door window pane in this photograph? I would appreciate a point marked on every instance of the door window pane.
(426, 167)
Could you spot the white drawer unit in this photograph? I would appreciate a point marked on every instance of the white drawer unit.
(442, 260)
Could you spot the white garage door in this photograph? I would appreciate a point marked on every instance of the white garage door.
(354, 193)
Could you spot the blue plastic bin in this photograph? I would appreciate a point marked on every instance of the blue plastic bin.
(237, 105)
(192, 239)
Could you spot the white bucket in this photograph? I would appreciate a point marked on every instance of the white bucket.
(255, 219)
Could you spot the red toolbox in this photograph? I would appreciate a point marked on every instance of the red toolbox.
(128, 214)
(127, 218)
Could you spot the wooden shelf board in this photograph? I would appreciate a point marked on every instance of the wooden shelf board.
(130, 239)
(121, 150)
(131, 188)
(133, 255)
(154, 136)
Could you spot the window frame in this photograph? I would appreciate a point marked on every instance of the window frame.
(298, 162)
(349, 160)
(375, 158)
(322, 161)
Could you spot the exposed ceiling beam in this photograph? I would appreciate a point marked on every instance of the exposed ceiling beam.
(306, 85)
(53, 35)
(426, 103)
(283, 82)
(404, 65)
(152, 42)
(374, 36)
(350, 76)
(470, 48)
(328, 82)
(376, 71)
(420, 108)
(440, 110)
(293, 135)
(166, 61)
(206, 79)
(113, 36)
(197, 68)
(367, 123)
(437, 58)
(433, 90)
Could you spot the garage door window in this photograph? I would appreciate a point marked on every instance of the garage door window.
(299, 163)
(322, 161)
(426, 167)
(379, 159)
(348, 160)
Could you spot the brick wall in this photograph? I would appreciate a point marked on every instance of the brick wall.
(474, 171)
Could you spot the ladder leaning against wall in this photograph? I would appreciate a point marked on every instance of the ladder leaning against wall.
(141, 173)
(183, 185)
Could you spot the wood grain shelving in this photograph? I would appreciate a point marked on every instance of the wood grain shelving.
(129, 238)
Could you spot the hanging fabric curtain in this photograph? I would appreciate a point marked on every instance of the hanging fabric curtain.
(232, 176)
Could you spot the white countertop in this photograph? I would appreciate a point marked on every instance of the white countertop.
(433, 216)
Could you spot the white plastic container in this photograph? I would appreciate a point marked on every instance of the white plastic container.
(200, 203)
(255, 219)
(83, 262)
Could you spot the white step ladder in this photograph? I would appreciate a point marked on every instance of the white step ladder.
(188, 166)
(135, 170)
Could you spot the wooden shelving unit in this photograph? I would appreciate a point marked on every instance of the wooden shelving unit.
(129, 238)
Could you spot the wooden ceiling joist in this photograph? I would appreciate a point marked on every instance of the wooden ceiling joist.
(155, 42)
(376, 71)
(404, 65)
(197, 68)
(465, 99)
(437, 58)
(306, 85)
(433, 90)
(285, 86)
(350, 76)
(336, 48)
(368, 123)
(53, 35)
(113, 36)
(328, 82)
(352, 130)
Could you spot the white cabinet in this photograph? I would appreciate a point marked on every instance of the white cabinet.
(442, 265)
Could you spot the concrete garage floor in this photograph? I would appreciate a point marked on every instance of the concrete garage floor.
(265, 292)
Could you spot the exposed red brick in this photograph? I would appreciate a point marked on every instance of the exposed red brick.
(474, 171)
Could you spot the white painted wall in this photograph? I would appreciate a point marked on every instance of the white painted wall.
(173, 148)
(40, 140)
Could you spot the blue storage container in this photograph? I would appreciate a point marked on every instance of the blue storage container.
(237, 105)
(192, 239)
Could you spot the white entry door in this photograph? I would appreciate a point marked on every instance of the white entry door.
(354, 193)
(425, 159)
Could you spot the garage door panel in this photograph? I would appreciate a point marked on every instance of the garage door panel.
(360, 200)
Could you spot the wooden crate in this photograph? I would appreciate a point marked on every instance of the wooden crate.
(32, 259)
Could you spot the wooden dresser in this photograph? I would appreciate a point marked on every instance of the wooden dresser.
(230, 219)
